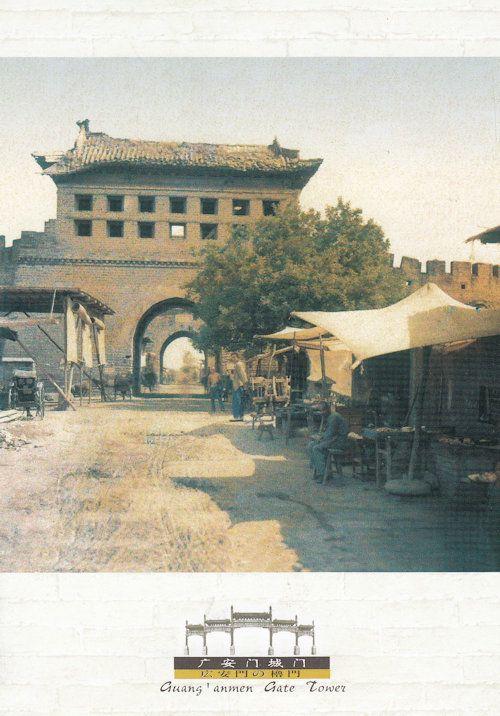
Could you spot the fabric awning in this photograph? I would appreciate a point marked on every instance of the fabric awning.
(290, 333)
(337, 367)
(427, 317)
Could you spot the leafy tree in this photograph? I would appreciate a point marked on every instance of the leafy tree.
(297, 260)
(189, 372)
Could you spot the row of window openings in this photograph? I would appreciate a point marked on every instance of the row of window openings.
(147, 205)
(146, 229)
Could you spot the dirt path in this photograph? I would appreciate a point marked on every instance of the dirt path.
(97, 490)
(160, 485)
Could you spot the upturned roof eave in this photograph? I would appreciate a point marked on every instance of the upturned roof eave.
(307, 168)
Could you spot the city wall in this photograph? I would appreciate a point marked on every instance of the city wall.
(131, 287)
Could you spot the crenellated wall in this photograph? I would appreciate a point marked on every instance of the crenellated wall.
(467, 282)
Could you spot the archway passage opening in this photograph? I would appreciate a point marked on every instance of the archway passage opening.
(181, 365)
(162, 336)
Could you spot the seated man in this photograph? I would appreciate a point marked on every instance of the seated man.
(333, 437)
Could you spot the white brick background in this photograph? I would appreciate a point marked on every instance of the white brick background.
(403, 644)
(249, 27)
(103, 643)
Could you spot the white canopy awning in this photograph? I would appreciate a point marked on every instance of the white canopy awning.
(427, 317)
(290, 333)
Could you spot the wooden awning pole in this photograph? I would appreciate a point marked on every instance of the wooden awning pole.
(419, 412)
(323, 369)
(99, 365)
(48, 376)
(269, 367)
(56, 344)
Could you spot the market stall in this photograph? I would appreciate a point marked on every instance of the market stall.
(426, 318)
(325, 363)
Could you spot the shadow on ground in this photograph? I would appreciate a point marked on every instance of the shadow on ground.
(348, 525)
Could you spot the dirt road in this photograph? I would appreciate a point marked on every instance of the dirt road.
(158, 484)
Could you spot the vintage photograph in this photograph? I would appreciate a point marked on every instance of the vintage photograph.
(250, 315)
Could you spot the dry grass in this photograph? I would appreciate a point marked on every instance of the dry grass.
(98, 495)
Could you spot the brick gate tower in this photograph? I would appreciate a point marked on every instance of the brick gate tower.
(130, 212)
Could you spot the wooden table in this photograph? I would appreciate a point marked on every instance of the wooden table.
(288, 412)
(384, 442)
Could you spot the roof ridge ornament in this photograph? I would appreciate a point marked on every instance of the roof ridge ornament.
(276, 147)
(84, 126)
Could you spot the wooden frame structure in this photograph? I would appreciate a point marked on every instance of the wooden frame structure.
(28, 300)
(240, 620)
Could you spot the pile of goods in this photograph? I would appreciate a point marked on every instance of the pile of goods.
(469, 442)
(11, 442)
(483, 477)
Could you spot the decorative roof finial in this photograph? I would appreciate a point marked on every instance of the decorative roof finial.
(84, 125)
(276, 147)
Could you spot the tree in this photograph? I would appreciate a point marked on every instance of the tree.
(190, 369)
(297, 260)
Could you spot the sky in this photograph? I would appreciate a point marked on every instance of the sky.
(414, 142)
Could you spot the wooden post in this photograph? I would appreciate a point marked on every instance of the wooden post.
(323, 369)
(419, 411)
(388, 458)
(48, 376)
(70, 379)
(81, 385)
(99, 365)
(378, 466)
(269, 367)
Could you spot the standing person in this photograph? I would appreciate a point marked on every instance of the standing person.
(239, 380)
(204, 379)
(333, 437)
(227, 387)
(214, 385)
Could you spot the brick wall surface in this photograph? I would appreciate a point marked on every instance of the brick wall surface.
(193, 189)
(402, 643)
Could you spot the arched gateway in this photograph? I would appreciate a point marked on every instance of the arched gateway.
(158, 309)
(168, 341)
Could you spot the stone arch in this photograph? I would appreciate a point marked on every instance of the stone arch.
(157, 309)
(171, 338)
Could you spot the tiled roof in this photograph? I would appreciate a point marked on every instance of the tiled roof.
(96, 149)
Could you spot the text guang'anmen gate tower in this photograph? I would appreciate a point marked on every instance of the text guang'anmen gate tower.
(130, 212)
